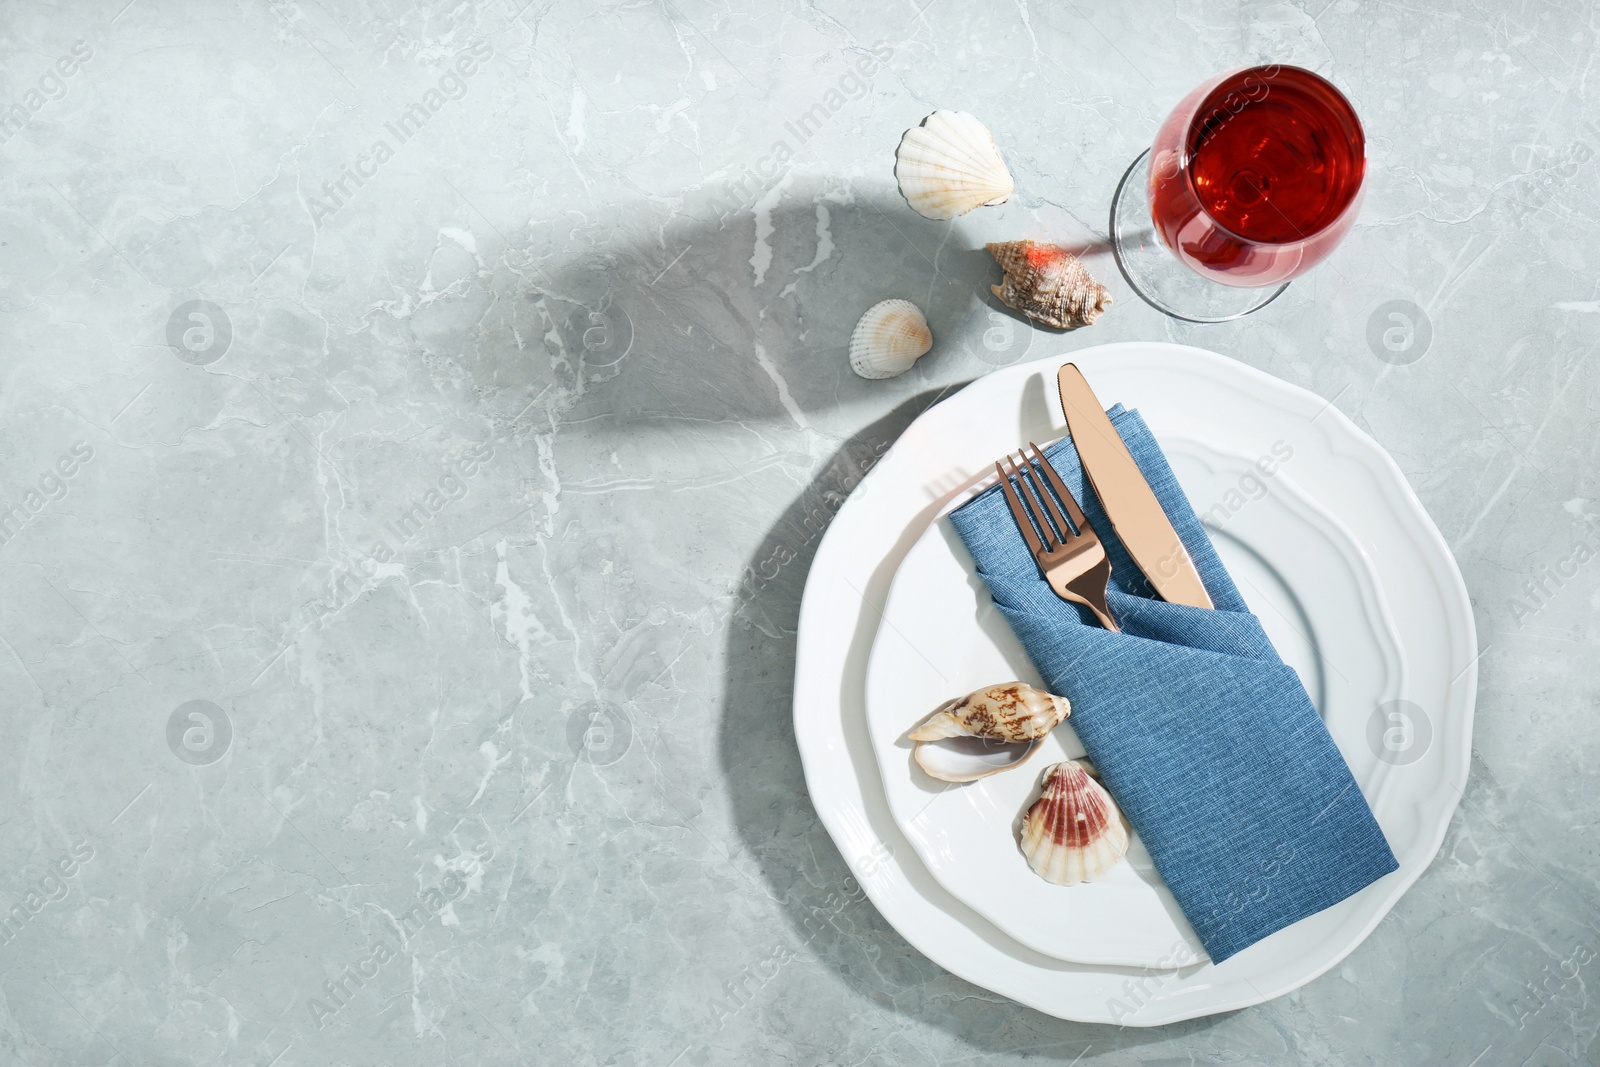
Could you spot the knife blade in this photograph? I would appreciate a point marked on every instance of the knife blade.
(1135, 513)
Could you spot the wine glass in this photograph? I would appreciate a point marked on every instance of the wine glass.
(1251, 181)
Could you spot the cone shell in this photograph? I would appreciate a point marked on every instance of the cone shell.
(889, 338)
(1048, 284)
(949, 165)
(1074, 832)
(1011, 711)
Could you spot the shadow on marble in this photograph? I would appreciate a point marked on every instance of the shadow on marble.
(827, 911)
(712, 327)
(702, 314)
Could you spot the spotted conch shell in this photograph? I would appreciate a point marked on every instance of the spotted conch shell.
(949, 165)
(1011, 711)
(1048, 284)
(1074, 832)
(985, 732)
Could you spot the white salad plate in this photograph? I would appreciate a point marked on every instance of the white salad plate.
(1332, 551)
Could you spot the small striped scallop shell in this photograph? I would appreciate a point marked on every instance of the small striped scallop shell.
(1074, 832)
(949, 165)
(890, 337)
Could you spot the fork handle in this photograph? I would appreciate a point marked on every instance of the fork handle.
(1105, 619)
(1103, 616)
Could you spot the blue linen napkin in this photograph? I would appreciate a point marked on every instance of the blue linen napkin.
(1201, 732)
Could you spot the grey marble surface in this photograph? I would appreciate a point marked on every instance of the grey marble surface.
(518, 350)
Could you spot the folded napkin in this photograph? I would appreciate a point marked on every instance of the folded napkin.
(1201, 732)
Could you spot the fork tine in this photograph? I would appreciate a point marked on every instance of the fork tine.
(1028, 491)
(1062, 491)
(1047, 502)
(1018, 512)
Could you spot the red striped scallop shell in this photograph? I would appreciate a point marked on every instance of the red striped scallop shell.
(1074, 831)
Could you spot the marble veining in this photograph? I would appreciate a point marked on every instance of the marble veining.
(417, 422)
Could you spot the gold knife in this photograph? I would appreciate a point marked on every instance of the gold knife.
(1130, 504)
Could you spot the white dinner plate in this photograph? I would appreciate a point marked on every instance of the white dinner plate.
(1412, 653)
(1303, 576)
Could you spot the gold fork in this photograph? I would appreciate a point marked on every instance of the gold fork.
(1071, 557)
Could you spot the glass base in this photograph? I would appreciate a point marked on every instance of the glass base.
(1159, 278)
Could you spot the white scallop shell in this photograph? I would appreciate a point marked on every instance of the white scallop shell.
(890, 337)
(1074, 832)
(949, 165)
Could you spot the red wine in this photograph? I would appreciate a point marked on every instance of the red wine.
(1256, 175)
